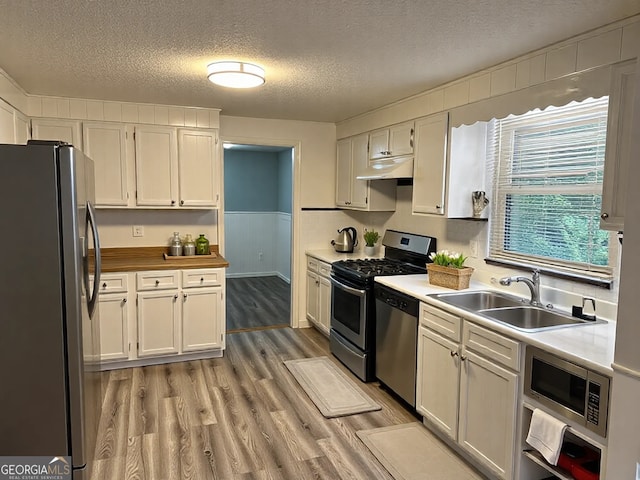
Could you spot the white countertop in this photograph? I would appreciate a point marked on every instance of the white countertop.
(591, 346)
(329, 255)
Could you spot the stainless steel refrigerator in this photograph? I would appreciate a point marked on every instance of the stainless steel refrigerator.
(50, 390)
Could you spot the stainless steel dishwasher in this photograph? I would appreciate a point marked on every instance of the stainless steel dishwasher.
(396, 341)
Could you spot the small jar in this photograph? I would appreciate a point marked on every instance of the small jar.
(188, 246)
(202, 245)
(175, 247)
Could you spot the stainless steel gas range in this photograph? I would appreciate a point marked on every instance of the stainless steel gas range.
(352, 336)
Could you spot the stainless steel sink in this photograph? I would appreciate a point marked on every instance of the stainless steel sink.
(481, 300)
(532, 318)
(510, 310)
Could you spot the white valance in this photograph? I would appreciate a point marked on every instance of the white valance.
(575, 87)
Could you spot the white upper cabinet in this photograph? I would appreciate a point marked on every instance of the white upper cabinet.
(105, 144)
(69, 131)
(357, 194)
(156, 166)
(430, 164)
(7, 128)
(393, 141)
(21, 123)
(197, 152)
(616, 167)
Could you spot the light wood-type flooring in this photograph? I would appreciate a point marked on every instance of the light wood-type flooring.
(239, 417)
(257, 302)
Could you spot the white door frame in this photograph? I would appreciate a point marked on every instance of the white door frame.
(295, 209)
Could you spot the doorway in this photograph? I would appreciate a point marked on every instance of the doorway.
(258, 197)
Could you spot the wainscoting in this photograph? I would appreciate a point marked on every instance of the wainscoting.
(258, 244)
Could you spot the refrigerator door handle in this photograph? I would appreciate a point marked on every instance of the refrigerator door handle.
(92, 301)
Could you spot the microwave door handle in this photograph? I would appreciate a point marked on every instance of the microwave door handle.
(342, 286)
(92, 301)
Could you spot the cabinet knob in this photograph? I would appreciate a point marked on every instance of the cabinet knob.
(184, 295)
(202, 279)
(604, 215)
(157, 282)
(124, 300)
(104, 285)
(463, 358)
(453, 354)
(175, 297)
(173, 202)
(181, 202)
(438, 207)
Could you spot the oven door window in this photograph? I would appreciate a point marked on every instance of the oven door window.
(348, 314)
(565, 388)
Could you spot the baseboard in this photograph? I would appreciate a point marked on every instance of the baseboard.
(251, 274)
(283, 278)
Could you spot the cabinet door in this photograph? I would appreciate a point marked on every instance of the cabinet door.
(156, 166)
(21, 123)
(343, 173)
(7, 127)
(313, 287)
(105, 144)
(437, 389)
(54, 129)
(430, 164)
(616, 166)
(197, 168)
(324, 304)
(158, 323)
(201, 319)
(488, 396)
(114, 325)
(359, 188)
(401, 139)
(379, 144)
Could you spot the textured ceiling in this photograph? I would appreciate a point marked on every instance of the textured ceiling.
(326, 60)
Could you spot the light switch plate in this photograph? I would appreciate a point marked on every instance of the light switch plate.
(138, 231)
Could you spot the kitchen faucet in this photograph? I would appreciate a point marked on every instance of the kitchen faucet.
(533, 284)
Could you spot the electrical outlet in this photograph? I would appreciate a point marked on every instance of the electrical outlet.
(260, 255)
(138, 231)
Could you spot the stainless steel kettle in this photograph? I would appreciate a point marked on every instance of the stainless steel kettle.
(347, 239)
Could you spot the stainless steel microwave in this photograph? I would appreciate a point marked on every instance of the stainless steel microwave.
(575, 392)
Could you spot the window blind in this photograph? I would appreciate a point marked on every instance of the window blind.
(547, 168)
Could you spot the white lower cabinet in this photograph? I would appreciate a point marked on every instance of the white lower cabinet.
(175, 312)
(158, 323)
(319, 294)
(114, 326)
(202, 315)
(467, 387)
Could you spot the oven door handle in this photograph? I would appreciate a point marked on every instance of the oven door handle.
(342, 286)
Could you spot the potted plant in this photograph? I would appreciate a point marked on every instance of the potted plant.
(448, 270)
(370, 239)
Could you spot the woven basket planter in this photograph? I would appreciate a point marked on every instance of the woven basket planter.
(448, 277)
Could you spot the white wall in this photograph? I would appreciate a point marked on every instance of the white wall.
(258, 244)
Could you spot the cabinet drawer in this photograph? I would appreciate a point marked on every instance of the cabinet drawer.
(312, 264)
(324, 269)
(444, 323)
(111, 283)
(157, 280)
(492, 345)
(205, 277)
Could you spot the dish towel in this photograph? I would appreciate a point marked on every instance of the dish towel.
(546, 434)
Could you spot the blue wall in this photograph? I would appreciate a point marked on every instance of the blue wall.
(257, 181)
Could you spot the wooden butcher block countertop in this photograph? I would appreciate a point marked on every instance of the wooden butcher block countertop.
(135, 259)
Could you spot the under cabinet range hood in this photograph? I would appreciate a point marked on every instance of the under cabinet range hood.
(396, 167)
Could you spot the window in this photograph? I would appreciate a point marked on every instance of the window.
(547, 168)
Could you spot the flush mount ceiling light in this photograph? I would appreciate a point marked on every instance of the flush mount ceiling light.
(235, 74)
